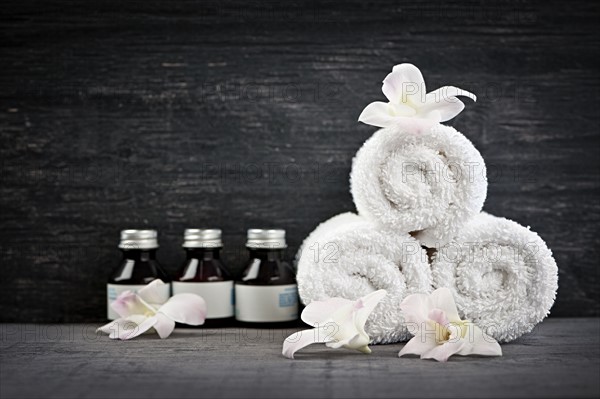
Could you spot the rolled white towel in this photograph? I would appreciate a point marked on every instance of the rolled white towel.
(429, 183)
(348, 257)
(502, 275)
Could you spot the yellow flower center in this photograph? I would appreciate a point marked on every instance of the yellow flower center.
(452, 331)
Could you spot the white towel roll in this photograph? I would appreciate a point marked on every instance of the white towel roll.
(502, 275)
(428, 184)
(348, 257)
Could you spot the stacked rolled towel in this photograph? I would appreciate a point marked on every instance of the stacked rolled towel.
(502, 275)
(347, 256)
(429, 183)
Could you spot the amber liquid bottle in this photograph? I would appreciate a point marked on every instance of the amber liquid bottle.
(267, 291)
(204, 274)
(137, 268)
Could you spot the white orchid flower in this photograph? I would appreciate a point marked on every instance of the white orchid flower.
(439, 331)
(338, 323)
(142, 311)
(409, 106)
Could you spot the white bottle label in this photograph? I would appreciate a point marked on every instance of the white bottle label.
(265, 304)
(218, 296)
(114, 290)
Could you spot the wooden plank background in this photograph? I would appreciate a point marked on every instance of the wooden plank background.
(181, 113)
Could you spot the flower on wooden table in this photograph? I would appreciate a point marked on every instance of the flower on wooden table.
(338, 322)
(143, 311)
(438, 330)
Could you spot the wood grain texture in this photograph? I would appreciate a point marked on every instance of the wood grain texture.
(174, 114)
(559, 360)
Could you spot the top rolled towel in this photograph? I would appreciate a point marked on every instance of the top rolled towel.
(348, 257)
(428, 183)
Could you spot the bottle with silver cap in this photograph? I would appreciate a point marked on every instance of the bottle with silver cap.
(137, 268)
(204, 274)
(267, 291)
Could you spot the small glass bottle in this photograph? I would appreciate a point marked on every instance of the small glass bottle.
(267, 291)
(204, 274)
(137, 268)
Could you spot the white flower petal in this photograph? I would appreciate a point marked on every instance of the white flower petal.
(438, 95)
(356, 341)
(377, 114)
(112, 328)
(319, 312)
(143, 324)
(415, 309)
(185, 308)
(438, 316)
(152, 293)
(129, 327)
(441, 353)
(479, 343)
(303, 338)
(442, 299)
(401, 110)
(364, 306)
(392, 87)
(442, 111)
(413, 88)
(418, 345)
(164, 325)
(129, 303)
(411, 73)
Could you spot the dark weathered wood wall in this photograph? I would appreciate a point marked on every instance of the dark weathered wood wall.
(175, 114)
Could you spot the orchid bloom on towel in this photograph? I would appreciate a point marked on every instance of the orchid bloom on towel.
(338, 323)
(142, 311)
(439, 331)
(409, 106)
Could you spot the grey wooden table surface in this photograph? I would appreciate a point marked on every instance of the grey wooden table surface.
(559, 359)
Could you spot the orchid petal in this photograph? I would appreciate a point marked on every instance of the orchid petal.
(127, 327)
(402, 110)
(411, 73)
(439, 95)
(128, 303)
(365, 305)
(112, 328)
(479, 343)
(438, 316)
(377, 114)
(444, 110)
(443, 300)
(318, 312)
(415, 308)
(185, 308)
(406, 84)
(392, 87)
(303, 338)
(343, 323)
(143, 324)
(441, 353)
(360, 344)
(164, 325)
(418, 345)
(153, 292)
(356, 341)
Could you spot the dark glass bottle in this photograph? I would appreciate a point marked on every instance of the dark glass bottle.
(137, 268)
(204, 274)
(267, 291)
